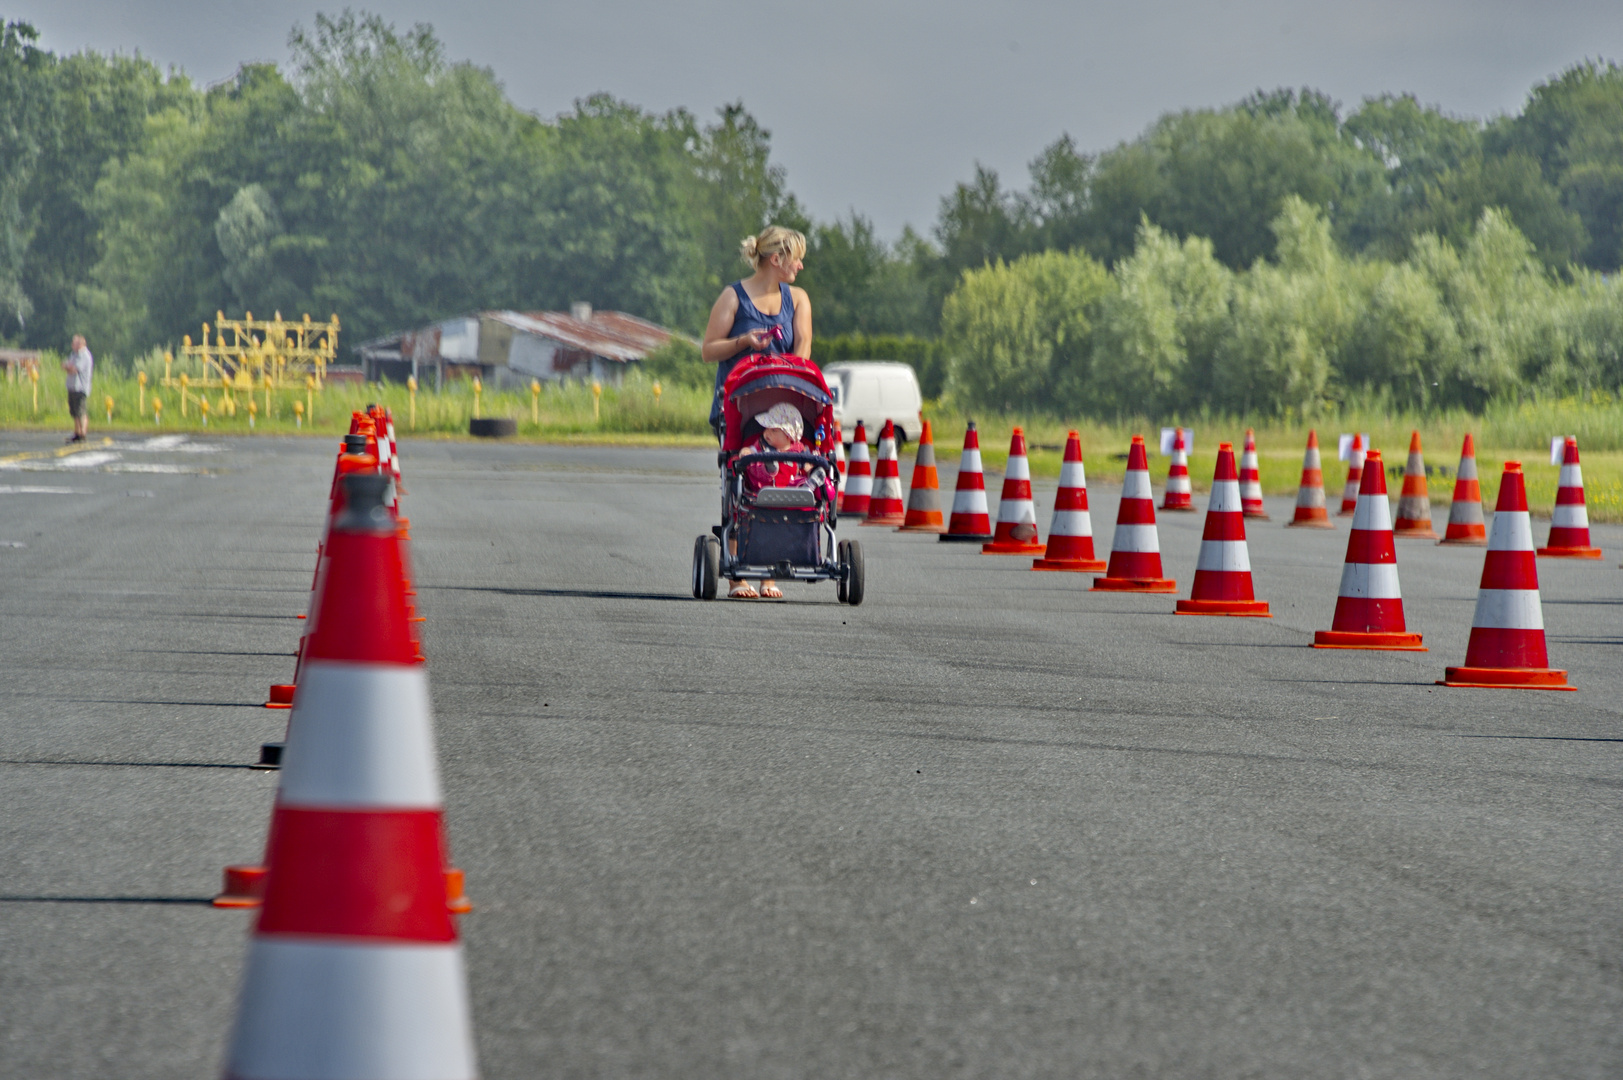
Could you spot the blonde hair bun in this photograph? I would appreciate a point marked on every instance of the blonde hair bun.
(770, 241)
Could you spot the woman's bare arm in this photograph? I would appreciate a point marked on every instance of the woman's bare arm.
(803, 322)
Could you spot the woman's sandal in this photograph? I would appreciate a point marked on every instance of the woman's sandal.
(744, 591)
(771, 591)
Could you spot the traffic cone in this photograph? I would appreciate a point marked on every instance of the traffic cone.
(1507, 646)
(355, 968)
(1310, 509)
(1355, 476)
(1178, 493)
(924, 496)
(1223, 570)
(1016, 529)
(859, 484)
(970, 520)
(352, 459)
(1414, 503)
(1251, 480)
(885, 502)
(839, 461)
(1070, 537)
(1569, 520)
(1369, 608)
(1135, 550)
(1465, 522)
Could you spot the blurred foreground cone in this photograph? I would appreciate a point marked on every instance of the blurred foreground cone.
(1355, 477)
(355, 969)
(924, 495)
(1016, 529)
(1507, 646)
(1369, 609)
(1070, 537)
(1251, 480)
(1223, 570)
(1414, 503)
(1569, 520)
(1179, 495)
(839, 460)
(1135, 550)
(1310, 508)
(859, 483)
(970, 519)
(885, 501)
(1466, 524)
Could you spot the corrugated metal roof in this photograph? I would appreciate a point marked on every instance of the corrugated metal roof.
(611, 335)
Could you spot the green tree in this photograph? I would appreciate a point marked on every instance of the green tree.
(28, 121)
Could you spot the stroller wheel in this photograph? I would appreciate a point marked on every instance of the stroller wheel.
(706, 567)
(854, 585)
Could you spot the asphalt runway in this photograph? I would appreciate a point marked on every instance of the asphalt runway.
(986, 825)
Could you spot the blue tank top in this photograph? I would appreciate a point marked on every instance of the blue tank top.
(749, 318)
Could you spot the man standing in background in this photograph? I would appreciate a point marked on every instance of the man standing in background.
(79, 366)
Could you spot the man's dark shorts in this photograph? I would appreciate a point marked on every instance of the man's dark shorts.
(76, 404)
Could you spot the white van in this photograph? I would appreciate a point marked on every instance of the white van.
(874, 391)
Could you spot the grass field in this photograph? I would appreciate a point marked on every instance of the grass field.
(633, 414)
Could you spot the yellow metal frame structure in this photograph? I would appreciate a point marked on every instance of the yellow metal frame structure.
(254, 354)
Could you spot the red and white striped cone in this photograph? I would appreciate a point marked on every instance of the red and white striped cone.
(1414, 503)
(1223, 570)
(1135, 550)
(970, 521)
(1016, 530)
(1355, 477)
(1251, 480)
(839, 460)
(1466, 525)
(355, 968)
(1179, 495)
(1507, 648)
(859, 482)
(1310, 508)
(1369, 608)
(924, 495)
(1569, 520)
(352, 460)
(1070, 537)
(885, 506)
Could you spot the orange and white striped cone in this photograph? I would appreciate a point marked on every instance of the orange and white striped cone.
(885, 505)
(1507, 648)
(1569, 520)
(839, 460)
(859, 482)
(1070, 537)
(355, 968)
(1355, 477)
(1223, 570)
(1135, 550)
(924, 495)
(1466, 525)
(970, 521)
(1179, 495)
(1369, 608)
(1251, 480)
(1414, 502)
(1310, 508)
(1016, 530)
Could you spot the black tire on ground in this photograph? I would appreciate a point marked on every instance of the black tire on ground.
(840, 557)
(856, 582)
(706, 567)
(901, 438)
(492, 427)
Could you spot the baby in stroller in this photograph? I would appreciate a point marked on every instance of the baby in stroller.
(781, 428)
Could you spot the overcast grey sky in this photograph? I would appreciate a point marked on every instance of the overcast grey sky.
(881, 106)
